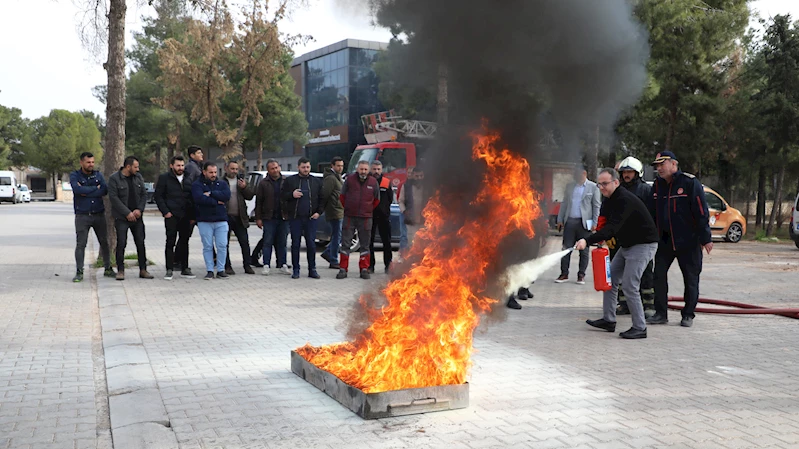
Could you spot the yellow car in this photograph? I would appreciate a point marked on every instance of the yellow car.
(726, 222)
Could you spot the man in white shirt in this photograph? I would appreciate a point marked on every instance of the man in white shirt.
(577, 218)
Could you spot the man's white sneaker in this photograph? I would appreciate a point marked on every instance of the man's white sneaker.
(285, 269)
(265, 271)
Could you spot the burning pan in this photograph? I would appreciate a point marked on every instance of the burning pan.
(386, 404)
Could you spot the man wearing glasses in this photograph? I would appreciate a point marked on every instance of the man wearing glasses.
(631, 224)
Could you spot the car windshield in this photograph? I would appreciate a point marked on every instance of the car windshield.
(362, 154)
(23, 188)
(5, 181)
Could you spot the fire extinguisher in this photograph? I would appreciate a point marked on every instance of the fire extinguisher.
(600, 260)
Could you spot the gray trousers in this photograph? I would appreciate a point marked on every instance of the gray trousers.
(573, 231)
(626, 269)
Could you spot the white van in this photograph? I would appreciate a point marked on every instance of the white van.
(8, 187)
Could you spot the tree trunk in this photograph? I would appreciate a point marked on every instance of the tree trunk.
(760, 210)
(443, 95)
(777, 200)
(260, 151)
(177, 142)
(158, 159)
(115, 103)
(748, 197)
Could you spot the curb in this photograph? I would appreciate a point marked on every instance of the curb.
(138, 416)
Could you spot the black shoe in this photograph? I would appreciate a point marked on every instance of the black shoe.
(168, 275)
(524, 294)
(334, 266)
(186, 273)
(657, 319)
(633, 334)
(687, 322)
(223, 275)
(623, 309)
(327, 258)
(257, 264)
(209, 276)
(78, 276)
(512, 304)
(109, 272)
(295, 275)
(387, 268)
(229, 271)
(313, 274)
(342, 274)
(248, 270)
(602, 324)
(365, 274)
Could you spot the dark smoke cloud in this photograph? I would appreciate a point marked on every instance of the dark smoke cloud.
(524, 65)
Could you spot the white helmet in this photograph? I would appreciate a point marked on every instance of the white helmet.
(631, 163)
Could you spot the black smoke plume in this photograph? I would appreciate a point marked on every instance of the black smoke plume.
(528, 67)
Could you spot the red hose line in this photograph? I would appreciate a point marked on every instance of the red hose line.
(741, 308)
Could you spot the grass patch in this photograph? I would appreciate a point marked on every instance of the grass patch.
(777, 235)
(130, 256)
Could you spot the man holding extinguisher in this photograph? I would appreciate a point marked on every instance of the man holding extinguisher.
(631, 224)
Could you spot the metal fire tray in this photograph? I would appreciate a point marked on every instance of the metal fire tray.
(386, 404)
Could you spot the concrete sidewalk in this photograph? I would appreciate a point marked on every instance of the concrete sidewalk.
(205, 364)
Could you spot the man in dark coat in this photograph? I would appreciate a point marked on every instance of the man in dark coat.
(682, 217)
(303, 205)
(238, 219)
(173, 198)
(128, 198)
(210, 195)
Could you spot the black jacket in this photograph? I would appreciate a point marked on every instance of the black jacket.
(118, 192)
(681, 212)
(640, 189)
(383, 210)
(628, 220)
(290, 205)
(173, 197)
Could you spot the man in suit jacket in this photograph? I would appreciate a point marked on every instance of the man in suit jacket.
(577, 218)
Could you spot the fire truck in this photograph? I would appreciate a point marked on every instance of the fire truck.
(394, 141)
(398, 144)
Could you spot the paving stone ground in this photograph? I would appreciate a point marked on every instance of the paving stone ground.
(219, 351)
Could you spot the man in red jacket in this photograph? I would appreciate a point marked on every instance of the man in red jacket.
(360, 195)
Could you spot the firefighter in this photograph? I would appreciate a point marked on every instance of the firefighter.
(632, 173)
(682, 218)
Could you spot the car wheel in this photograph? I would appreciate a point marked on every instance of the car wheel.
(355, 244)
(735, 233)
(322, 243)
(258, 251)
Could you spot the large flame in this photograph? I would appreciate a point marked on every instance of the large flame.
(423, 335)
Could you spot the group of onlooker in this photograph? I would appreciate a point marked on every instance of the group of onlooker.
(196, 192)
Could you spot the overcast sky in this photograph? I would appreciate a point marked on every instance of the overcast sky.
(43, 65)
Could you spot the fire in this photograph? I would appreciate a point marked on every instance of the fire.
(423, 335)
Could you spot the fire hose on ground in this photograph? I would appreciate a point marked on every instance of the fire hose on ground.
(739, 308)
(600, 259)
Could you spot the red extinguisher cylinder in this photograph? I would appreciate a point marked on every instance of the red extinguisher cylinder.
(600, 260)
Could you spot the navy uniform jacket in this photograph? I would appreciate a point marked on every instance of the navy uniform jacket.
(681, 211)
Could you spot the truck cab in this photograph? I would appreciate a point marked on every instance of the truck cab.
(396, 157)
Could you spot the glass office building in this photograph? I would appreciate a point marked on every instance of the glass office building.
(338, 85)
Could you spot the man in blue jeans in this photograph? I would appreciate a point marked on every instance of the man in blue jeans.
(210, 198)
(269, 217)
(334, 211)
(303, 205)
